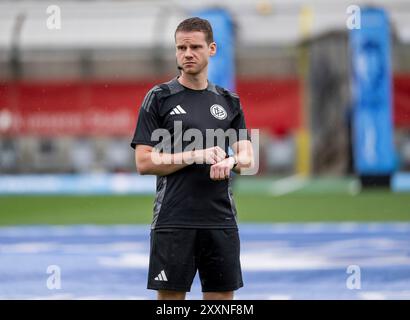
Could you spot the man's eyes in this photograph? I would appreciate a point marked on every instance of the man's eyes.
(192, 47)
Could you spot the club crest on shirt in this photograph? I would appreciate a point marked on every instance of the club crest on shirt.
(218, 112)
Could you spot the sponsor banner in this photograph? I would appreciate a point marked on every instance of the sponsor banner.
(106, 109)
(55, 108)
(372, 116)
(401, 99)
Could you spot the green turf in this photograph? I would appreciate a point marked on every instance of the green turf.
(75, 209)
(366, 206)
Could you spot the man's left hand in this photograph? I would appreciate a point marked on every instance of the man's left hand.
(222, 170)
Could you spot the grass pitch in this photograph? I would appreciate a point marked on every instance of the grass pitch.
(381, 205)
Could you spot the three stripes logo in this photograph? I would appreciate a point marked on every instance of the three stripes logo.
(178, 110)
(162, 276)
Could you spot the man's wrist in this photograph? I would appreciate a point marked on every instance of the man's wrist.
(234, 161)
(197, 156)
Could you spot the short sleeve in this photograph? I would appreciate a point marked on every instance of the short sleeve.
(239, 125)
(148, 121)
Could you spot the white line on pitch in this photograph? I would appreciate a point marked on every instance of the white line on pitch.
(288, 185)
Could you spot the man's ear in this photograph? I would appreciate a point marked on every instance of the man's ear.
(212, 49)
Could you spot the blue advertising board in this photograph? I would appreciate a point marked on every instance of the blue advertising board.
(221, 69)
(372, 98)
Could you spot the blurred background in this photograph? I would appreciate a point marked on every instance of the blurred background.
(327, 83)
(69, 97)
(74, 73)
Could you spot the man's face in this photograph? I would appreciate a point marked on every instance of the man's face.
(192, 51)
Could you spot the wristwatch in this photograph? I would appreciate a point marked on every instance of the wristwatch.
(235, 162)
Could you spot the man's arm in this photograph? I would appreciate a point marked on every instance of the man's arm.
(243, 152)
(243, 157)
(150, 161)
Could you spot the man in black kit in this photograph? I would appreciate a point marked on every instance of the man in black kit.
(194, 224)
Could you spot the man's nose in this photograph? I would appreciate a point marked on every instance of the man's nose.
(188, 53)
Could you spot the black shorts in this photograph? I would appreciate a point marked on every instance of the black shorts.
(176, 255)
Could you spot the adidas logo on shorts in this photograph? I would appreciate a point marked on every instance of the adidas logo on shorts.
(161, 277)
(178, 110)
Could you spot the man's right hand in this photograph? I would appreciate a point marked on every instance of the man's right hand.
(210, 156)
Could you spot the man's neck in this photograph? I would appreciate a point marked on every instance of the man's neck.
(195, 82)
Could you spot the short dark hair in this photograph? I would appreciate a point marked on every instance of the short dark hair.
(197, 24)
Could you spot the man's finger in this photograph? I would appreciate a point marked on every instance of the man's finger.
(219, 150)
(217, 174)
(212, 159)
(219, 158)
(227, 172)
(222, 173)
(221, 153)
(212, 173)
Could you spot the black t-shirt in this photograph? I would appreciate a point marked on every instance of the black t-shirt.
(188, 198)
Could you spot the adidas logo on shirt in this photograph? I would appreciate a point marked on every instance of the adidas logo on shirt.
(161, 277)
(178, 110)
